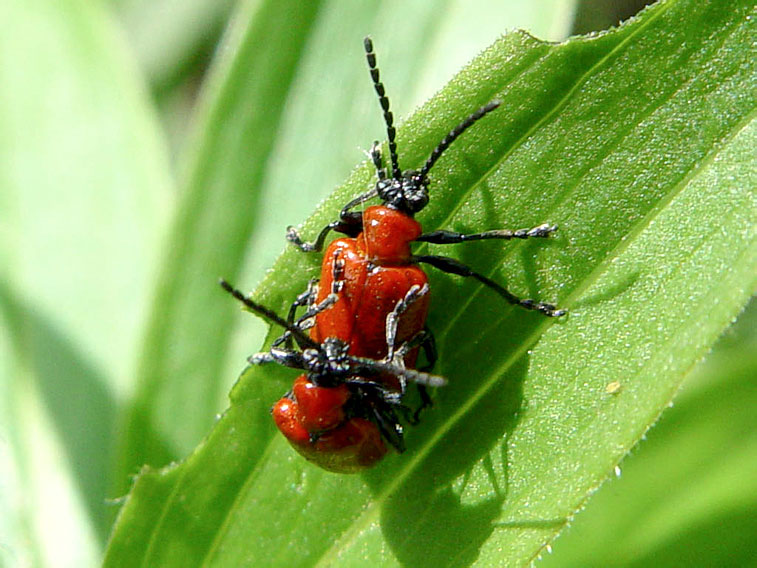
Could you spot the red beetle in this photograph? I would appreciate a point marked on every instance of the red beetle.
(340, 413)
(378, 262)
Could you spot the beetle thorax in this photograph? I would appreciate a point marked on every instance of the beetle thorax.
(387, 234)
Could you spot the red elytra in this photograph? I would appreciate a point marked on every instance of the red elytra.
(344, 444)
(341, 413)
(376, 274)
(321, 408)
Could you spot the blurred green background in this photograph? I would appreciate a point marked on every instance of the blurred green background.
(100, 105)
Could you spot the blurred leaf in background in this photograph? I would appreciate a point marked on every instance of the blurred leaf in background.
(85, 196)
(123, 196)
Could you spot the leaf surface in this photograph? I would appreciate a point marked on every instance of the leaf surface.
(688, 495)
(639, 144)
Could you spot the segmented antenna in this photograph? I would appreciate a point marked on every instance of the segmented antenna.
(384, 101)
(454, 133)
(412, 375)
(299, 335)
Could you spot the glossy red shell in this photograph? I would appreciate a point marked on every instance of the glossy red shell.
(373, 286)
(377, 274)
(387, 234)
(321, 408)
(347, 447)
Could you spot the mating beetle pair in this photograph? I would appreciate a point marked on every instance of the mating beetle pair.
(366, 315)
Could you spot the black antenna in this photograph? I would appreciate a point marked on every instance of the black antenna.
(384, 101)
(364, 364)
(453, 134)
(299, 335)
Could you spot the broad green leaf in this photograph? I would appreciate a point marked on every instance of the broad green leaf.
(639, 144)
(688, 496)
(84, 192)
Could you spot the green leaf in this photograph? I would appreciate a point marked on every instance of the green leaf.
(84, 192)
(639, 144)
(689, 495)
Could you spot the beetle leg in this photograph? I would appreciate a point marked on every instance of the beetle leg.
(443, 237)
(453, 266)
(392, 321)
(350, 223)
(307, 320)
(306, 298)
